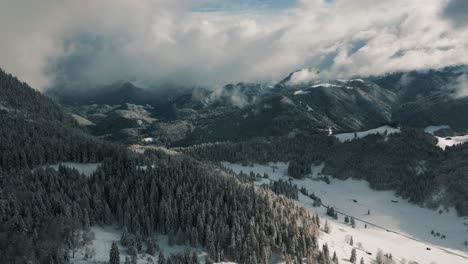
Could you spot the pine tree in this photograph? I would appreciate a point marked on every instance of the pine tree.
(134, 259)
(380, 257)
(127, 260)
(353, 257)
(326, 253)
(353, 223)
(114, 256)
(161, 258)
(362, 261)
(335, 258)
(351, 241)
(151, 247)
(327, 228)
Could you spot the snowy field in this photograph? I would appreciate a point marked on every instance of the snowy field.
(406, 228)
(343, 137)
(451, 141)
(444, 142)
(106, 235)
(84, 168)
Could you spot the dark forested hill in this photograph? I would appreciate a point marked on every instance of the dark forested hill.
(45, 214)
(35, 130)
(409, 162)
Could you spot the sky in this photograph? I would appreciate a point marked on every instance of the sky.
(87, 43)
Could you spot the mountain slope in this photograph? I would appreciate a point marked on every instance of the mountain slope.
(36, 131)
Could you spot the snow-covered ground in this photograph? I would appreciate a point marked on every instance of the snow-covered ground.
(106, 235)
(301, 92)
(406, 228)
(353, 135)
(84, 168)
(148, 139)
(451, 141)
(444, 142)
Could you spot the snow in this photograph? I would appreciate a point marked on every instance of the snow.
(343, 137)
(357, 80)
(326, 85)
(309, 108)
(148, 139)
(84, 168)
(408, 225)
(451, 141)
(104, 236)
(444, 142)
(301, 92)
(432, 129)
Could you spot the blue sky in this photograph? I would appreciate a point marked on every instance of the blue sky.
(242, 5)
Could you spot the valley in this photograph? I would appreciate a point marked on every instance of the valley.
(402, 229)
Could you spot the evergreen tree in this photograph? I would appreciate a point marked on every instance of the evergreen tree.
(151, 247)
(161, 258)
(362, 261)
(327, 227)
(353, 257)
(114, 256)
(335, 258)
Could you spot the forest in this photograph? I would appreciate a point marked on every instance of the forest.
(45, 215)
(408, 162)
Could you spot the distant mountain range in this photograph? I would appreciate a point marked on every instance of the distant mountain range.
(127, 113)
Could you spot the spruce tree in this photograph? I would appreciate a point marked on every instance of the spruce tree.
(335, 258)
(161, 258)
(353, 257)
(114, 256)
(327, 228)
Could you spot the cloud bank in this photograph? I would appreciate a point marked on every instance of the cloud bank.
(87, 43)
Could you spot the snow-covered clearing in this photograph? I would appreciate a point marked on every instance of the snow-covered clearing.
(83, 168)
(148, 139)
(405, 228)
(353, 135)
(300, 92)
(444, 142)
(451, 141)
(106, 235)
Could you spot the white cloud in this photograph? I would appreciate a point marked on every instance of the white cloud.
(461, 86)
(151, 42)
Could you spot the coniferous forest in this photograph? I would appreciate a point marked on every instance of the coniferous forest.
(45, 214)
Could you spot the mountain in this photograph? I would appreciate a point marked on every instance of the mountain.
(429, 97)
(35, 130)
(246, 110)
(49, 212)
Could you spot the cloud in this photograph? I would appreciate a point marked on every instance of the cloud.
(457, 12)
(151, 42)
(303, 76)
(460, 86)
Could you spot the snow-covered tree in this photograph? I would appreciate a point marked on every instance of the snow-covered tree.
(114, 256)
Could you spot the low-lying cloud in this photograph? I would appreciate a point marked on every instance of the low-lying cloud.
(88, 43)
